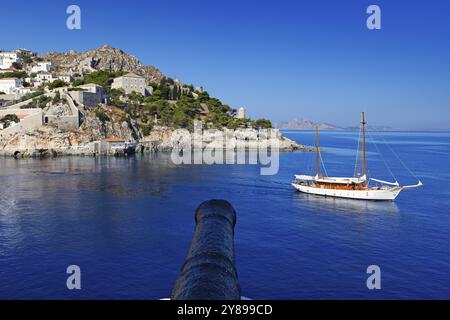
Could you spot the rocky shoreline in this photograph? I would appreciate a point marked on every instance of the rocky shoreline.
(50, 142)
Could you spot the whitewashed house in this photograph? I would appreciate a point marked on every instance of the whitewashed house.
(23, 51)
(7, 58)
(65, 78)
(10, 85)
(25, 90)
(44, 78)
(42, 67)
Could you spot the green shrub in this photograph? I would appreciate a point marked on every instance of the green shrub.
(6, 120)
(101, 115)
(146, 129)
(15, 74)
(32, 95)
(57, 84)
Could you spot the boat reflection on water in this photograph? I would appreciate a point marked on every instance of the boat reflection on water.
(333, 204)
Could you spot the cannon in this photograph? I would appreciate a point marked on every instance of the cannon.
(209, 271)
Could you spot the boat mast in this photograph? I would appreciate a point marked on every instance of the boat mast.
(317, 151)
(364, 148)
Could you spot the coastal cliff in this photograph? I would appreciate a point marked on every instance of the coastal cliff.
(51, 141)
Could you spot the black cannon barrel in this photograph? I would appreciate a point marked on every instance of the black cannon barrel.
(209, 272)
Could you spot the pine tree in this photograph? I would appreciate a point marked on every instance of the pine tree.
(175, 92)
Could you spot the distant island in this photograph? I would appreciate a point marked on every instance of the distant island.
(302, 124)
(102, 101)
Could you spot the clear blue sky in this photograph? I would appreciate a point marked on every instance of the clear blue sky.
(280, 59)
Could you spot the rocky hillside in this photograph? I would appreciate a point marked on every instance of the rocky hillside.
(92, 129)
(103, 58)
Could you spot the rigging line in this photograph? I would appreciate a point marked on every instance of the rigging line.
(381, 155)
(400, 160)
(323, 164)
(309, 163)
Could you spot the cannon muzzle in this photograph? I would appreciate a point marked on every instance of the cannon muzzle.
(209, 272)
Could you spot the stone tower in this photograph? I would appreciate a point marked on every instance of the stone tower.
(241, 113)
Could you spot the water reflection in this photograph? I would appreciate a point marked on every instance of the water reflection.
(344, 205)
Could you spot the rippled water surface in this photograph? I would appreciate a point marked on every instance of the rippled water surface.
(128, 224)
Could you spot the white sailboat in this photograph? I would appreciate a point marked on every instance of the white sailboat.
(351, 188)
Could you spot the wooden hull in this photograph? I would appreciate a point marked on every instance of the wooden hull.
(369, 194)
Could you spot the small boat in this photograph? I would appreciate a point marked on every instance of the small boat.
(351, 188)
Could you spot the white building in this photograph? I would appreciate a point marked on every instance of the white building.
(25, 52)
(92, 87)
(65, 78)
(10, 85)
(42, 67)
(30, 80)
(7, 58)
(44, 77)
(24, 90)
(131, 82)
(111, 145)
(241, 113)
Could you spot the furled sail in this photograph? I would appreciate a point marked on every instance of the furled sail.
(420, 184)
(386, 182)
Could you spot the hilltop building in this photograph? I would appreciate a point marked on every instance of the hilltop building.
(241, 113)
(42, 67)
(132, 82)
(7, 58)
(25, 52)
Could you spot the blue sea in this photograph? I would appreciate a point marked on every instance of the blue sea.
(128, 224)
